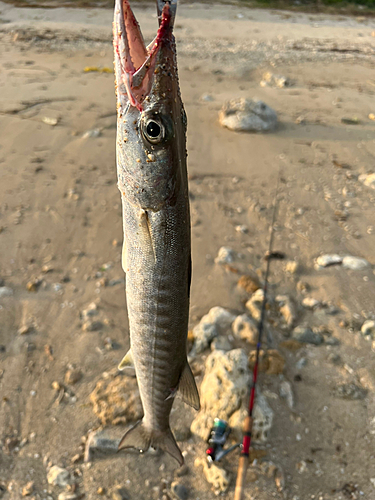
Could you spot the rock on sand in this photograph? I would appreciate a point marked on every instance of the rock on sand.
(223, 391)
(247, 115)
(216, 322)
(116, 400)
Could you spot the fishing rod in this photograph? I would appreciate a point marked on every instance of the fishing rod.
(221, 430)
(249, 420)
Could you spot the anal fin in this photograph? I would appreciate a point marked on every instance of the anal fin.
(188, 388)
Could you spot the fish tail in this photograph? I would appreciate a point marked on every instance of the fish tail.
(142, 438)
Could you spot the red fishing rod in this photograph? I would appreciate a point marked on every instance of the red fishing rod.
(249, 420)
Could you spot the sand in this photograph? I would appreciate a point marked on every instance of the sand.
(61, 233)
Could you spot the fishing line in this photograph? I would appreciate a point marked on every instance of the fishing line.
(249, 420)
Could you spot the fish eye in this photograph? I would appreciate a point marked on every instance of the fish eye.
(153, 131)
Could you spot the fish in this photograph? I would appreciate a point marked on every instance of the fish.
(156, 257)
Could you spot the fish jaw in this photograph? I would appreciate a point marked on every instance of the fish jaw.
(134, 62)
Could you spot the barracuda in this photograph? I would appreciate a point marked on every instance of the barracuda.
(152, 178)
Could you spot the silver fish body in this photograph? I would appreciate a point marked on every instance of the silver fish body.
(152, 178)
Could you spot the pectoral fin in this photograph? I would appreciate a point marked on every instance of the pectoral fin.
(188, 388)
(147, 244)
(127, 361)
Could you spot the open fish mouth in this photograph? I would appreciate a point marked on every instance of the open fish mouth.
(134, 62)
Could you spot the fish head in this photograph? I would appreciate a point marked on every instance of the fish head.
(151, 121)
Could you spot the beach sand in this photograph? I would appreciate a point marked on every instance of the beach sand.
(61, 235)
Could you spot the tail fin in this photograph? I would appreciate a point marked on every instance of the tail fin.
(142, 438)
